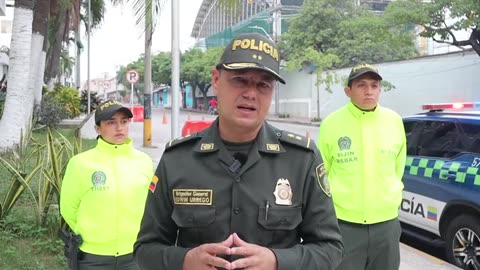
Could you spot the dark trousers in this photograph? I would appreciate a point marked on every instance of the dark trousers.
(371, 247)
(98, 262)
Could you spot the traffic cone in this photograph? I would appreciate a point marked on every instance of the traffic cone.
(164, 118)
(308, 134)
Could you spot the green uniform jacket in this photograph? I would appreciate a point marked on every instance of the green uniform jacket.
(103, 196)
(364, 154)
(201, 198)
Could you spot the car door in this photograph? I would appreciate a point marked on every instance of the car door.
(432, 147)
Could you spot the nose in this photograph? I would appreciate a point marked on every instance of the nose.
(250, 91)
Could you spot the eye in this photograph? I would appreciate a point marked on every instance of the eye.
(110, 122)
(239, 81)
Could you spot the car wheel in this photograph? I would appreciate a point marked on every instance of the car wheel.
(463, 242)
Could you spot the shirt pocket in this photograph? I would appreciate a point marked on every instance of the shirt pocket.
(195, 224)
(279, 225)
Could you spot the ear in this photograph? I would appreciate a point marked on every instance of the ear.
(347, 91)
(97, 129)
(215, 78)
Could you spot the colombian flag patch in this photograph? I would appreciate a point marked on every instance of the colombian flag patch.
(153, 184)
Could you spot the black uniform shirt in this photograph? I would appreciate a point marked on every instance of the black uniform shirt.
(279, 198)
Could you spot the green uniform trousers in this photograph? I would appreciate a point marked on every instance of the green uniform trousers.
(371, 246)
(97, 262)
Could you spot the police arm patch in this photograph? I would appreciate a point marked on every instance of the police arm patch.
(322, 179)
(153, 184)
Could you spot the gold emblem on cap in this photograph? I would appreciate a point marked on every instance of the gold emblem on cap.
(283, 192)
(273, 147)
(206, 146)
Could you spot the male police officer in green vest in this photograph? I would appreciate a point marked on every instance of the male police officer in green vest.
(364, 149)
(240, 194)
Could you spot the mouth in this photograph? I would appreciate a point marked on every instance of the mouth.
(246, 108)
(119, 135)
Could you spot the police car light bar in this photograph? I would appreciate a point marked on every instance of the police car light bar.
(456, 106)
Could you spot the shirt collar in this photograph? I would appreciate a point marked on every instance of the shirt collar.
(357, 112)
(106, 147)
(266, 141)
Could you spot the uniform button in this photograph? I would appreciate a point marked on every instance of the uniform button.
(190, 219)
(237, 179)
(236, 211)
(283, 221)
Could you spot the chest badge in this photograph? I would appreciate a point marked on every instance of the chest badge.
(283, 192)
(344, 143)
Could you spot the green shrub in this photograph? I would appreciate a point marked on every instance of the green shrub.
(51, 111)
(69, 98)
(94, 101)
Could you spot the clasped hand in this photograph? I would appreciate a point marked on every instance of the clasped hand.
(253, 257)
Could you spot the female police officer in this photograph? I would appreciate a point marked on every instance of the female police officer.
(103, 192)
(241, 194)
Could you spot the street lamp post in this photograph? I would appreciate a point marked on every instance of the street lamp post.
(88, 53)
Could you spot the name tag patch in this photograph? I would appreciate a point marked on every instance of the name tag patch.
(193, 196)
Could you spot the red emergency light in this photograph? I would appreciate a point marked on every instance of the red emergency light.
(455, 106)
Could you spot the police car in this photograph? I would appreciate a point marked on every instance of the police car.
(442, 180)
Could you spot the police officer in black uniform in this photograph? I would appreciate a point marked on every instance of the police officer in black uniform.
(240, 194)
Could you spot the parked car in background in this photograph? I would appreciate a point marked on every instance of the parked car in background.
(441, 199)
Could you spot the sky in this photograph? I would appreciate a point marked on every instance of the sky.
(119, 41)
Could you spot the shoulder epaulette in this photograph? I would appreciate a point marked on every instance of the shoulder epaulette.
(295, 139)
(181, 140)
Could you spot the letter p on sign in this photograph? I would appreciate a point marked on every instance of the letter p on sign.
(132, 76)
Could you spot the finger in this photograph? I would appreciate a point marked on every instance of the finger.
(237, 241)
(216, 249)
(241, 263)
(219, 262)
(243, 251)
(228, 242)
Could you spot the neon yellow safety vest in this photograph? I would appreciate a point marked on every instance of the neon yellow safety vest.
(103, 196)
(364, 155)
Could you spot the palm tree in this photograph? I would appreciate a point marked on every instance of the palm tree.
(19, 101)
(39, 44)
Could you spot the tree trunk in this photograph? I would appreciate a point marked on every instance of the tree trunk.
(39, 32)
(19, 101)
(55, 49)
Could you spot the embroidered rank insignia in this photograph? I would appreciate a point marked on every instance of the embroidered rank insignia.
(322, 179)
(206, 146)
(153, 184)
(283, 192)
(193, 196)
(273, 147)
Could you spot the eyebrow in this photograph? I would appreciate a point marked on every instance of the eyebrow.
(265, 75)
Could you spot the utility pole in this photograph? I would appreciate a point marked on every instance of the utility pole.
(277, 31)
(175, 68)
(147, 91)
(88, 54)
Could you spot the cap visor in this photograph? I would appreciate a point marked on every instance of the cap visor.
(240, 66)
(365, 72)
(110, 114)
